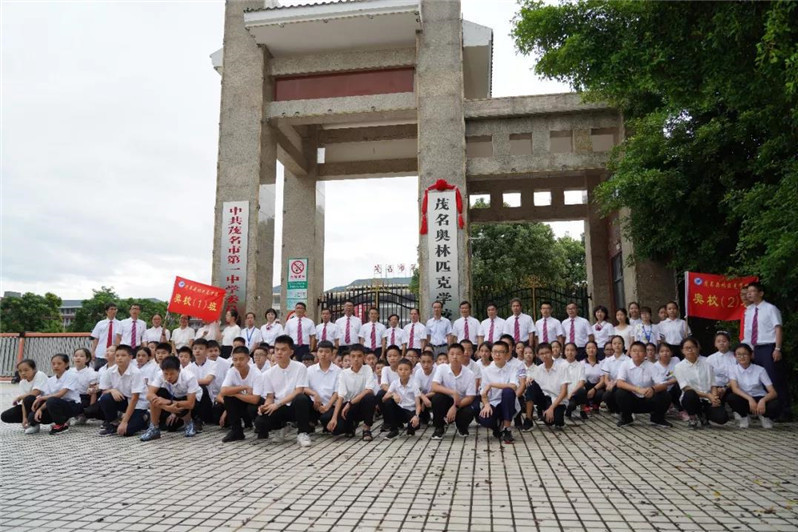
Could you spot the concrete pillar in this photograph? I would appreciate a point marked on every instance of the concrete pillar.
(648, 282)
(441, 122)
(247, 155)
(303, 228)
(597, 263)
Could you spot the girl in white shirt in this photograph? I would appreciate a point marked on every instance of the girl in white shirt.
(673, 329)
(594, 384)
(272, 328)
(623, 329)
(32, 383)
(602, 329)
(752, 390)
(651, 353)
(231, 331)
(87, 378)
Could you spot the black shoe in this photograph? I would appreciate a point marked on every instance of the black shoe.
(528, 425)
(497, 434)
(625, 421)
(438, 434)
(233, 435)
(462, 433)
(108, 430)
(518, 422)
(583, 414)
(349, 435)
(507, 436)
(410, 430)
(661, 423)
(392, 434)
(384, 428)
(704, 420)
(198, 425)
(263, 435)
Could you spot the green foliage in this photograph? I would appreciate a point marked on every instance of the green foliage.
(31, 313)
(93, 310)
(414, 283)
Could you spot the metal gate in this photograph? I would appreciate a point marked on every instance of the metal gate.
(388, 299)
(531, 298)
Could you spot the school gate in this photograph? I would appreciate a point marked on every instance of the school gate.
(396, 88)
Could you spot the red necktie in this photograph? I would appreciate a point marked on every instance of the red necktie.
(133, 335)
(573, 326)
(412, 330)
(465, 329)
(755, 327)
(545, 330)
(110, 334)
(393, 336)
(490, 334)
(299, 332)
(517, 329)
(373, 336)
(324, 332)
(348, 338)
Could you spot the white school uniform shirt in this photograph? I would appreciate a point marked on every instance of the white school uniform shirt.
(553, 329)
(252, 337)
(395, 334)
(223, 366)
(438, 330)
(498, 375)
(518, 366)
(208, 368)
(525, 326)
(100, 332)
(68, 380)
(723, 364)
(407, 393)
(574, 372)
(254, 379)
(628, 335)
(551, 380)
(498, 329)
(389, 376)
(308, 330)
(126, 330)
(458, 329)
(768, 318)
(265, 368)
(611, 365)
(635, 375)
(602, 332)
(475, 368)
(752, 380)
(39, 382)
(331, 330)
(128, 383)
(153, 334)
(673, 331)
(560, 361)
(648, 334)
(270, 331)
(423, 381)
(592, 372)
(186, 383)
(365, 334)
(664, 373)
(351, 384)
(324, 383)
(230, 333)
(635, 321)
(419, 333)
(282, 382)
(354, 329)
(149, 371)
(582, 330)
(182, 337)
(464, 383)
(84, 378)
(697, 375)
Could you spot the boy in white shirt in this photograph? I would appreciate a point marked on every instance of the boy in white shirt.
(123, 391)
(371, 332)
(283, 388)
(548, 390)
(455, 391)
(402, 402)
(250, 333)
(393, 335)
(415, 333)
(466, 327)
(172, 395)
(261, 358)
(356, 399)
(723, 363)
(498, 389)
(322, 385)
(103, 336)
(696, 378)
(206, 371)
(638, 391)
(241, 394)
(389, 374)
(326, 331)
(423, 377)
(574, 373)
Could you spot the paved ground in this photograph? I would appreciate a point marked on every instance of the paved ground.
(590, 476)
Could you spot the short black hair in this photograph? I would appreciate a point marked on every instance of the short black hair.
(29, 362)
(201, 341)
(164, 346)
(325, 344)
(308, 356)
(406, 362)
(110, 305)
(126, 348)
(184, 349)
(240, 349)
(211, 344)
(170, 362)
(285, 340)
(240, 339)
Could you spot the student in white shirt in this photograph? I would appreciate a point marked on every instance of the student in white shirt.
(32, 384)
(402, 403)
(638, 391)
(696, 378)
(183, 335)
(261, 357)
(498, 391)
(302, 331)
(574, 373)
(423, 376)
(602, 329)
(548, 389)
(207, 372)
(147, 366)
(250, 333)
(577, 330)
(104, 334)
(645, 331)
(635, 313)
(466, 327)
(723, 362)
(515, 360)
(673, 329)
(388, 375)
(519, 325)
(81, 366)
(131, 331)
(371, 333)
(623, 329)
(156, 333)
(663, 370)
(485, 359)
(59, 401)
(492, 327)
(272, 328)
(610, 367)
(356, 399)
(123, 391)
(172, 395)
(326, 330)
(547, 329)
(594, 381)
(322, 385)
(284, 393)
(468, 361)
(349, 326)
(455, 392)
(651, 353)
(557, 353)
(438, 329)
(231, 331)
(241, 394)
(393, 334)
(415, 333)
(209, 331)
(752, 391)
(766, 341)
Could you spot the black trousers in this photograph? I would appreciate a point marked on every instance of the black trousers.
(580, 354)
(578, 398)
(203, 408)
(656, 405)
(441, 403)
(321, 419)
(238, 411)
(543, 402)
(694, 405)
(300, 351)
(610, 399)
(740, 405)
(298, 411)
(99, 363)
(12, 415)
(597, 397)
(395, 415)
(676, 397)
(362, 411)
(777, 371)
(57, 411)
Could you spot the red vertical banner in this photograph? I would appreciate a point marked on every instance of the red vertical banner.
(196, 299)
(715, 297)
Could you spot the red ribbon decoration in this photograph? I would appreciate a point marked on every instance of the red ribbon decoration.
(441, 185)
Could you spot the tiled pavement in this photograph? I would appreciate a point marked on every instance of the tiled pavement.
(590, 476)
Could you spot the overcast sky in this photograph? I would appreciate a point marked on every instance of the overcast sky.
(109, 129)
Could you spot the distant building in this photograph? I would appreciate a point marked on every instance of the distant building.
(68, 309)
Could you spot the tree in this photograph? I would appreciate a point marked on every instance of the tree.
(574, 255)
(32, 313)
(93, 310)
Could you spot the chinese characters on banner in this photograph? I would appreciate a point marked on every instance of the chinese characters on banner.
(196, 299)
(235, 225)
(714, 297)
(442, 275)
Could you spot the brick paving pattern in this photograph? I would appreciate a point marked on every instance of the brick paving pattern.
(589, 476)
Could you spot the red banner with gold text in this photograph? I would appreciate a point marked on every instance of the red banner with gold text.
(715, 297)
(196, 299)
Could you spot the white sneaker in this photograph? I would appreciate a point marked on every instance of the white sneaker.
(80, 420)
(767, 423)
(737, 417)
(33, 429)
(303, 439)
(743, 423)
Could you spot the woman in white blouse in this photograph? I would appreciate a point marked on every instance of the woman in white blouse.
(272, 328)
(673, 329)
(231, 331)
(623, 329)
(602, 329)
